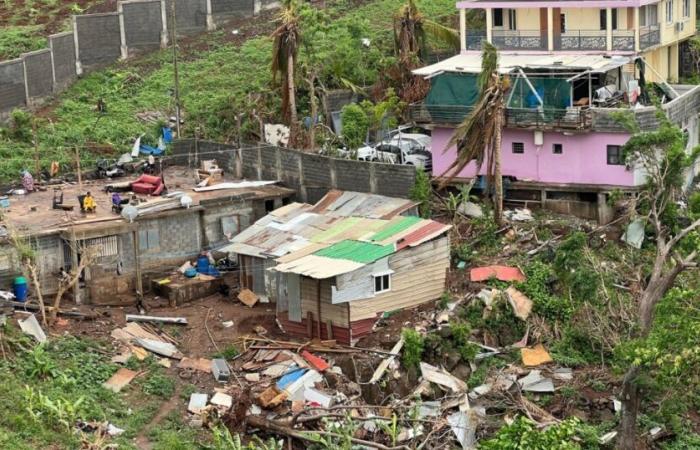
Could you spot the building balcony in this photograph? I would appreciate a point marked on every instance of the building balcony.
(519, 39)
(474, 39)
(548, 119)
(649, 36)
(581, 40)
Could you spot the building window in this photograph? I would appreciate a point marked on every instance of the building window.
(518, 147)
(103, 246)
(382, 283)
(669, 11)
(149, 239)
(498, 17)
(557, 149)
(512, 23)
(686, 8)
(604, 19)
(648, 15)
(615, 155)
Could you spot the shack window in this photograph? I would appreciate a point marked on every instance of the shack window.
(518, 147)
(269, 205)
(615, 155)
(557, 149)
(149, 239)
(498, 17)
(104, 246)
(382, 283)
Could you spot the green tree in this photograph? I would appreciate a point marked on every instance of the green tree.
(355, 126)
(662, 155)
(478, 138)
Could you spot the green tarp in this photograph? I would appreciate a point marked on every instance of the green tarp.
(453, 89)
(555, 92)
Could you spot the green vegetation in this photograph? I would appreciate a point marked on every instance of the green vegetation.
(422, 192)
(46, 389)
(570, 434)
(215, 85)
(413, 346)
(20, 39)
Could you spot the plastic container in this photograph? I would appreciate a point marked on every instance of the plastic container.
(202, 264)
(20, 289)
(4, 201)
(190, 272)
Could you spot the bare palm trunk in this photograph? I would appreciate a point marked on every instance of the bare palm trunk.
(630, 409)
(498, 194)
(292, 97)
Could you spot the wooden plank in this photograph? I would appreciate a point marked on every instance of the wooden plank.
(329, 329)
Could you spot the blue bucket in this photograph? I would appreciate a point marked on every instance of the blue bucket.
(202, 264)
(20, 288)
(4, 201)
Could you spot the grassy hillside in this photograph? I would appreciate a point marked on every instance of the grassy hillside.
(221, 75)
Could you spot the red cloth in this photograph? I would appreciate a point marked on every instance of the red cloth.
(503, 273)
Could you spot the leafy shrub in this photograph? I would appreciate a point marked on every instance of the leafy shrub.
(422, 192)
(570, 434)
(413, 346)
(460, 339)
(574, 269)
(159, 385)
(537, 287)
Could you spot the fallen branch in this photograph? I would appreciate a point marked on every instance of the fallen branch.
(274, 427)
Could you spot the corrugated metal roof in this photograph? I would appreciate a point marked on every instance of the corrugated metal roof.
(358, 251)
(428, 231)
(394, 226)
(318, 267)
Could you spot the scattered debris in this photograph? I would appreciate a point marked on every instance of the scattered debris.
(31, 326)
(197, 403)
(520, 303)
(316, 397)
(464, 428)
(442, 377)
(535, 356)
(470, 209)
(519, 215)
(138, 318)
(608, 437)
(317, 363)
(120, 379)
(201, 364)
(248, 298)
(160, 348)
(634, 234)
(227, 324)
(221, 399)
(503, 273)
(563, 374)
(379, 372)
(220, 369)
(535, 382)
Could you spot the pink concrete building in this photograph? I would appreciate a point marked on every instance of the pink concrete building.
(562, 142)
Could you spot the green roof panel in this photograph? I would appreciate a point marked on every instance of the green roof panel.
(395, 227)
(361, 252)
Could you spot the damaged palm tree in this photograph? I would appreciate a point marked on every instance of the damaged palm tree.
(412, 29)
(411, 33)
(287, 38)
(478, 138)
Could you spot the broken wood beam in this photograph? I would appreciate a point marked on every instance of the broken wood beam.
(140, 318)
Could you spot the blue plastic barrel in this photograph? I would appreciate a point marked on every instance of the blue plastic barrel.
(20, 288)
(202, 264)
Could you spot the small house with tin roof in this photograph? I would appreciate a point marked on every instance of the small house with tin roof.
(334, 268)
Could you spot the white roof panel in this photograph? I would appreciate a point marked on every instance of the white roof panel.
(471, 63)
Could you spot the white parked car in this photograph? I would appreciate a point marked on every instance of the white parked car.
(401, 148)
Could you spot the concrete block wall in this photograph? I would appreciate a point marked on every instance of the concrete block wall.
(62, 48)
(38, 75)
(13, 92)
(311, 175)
(142, 25)
(98, 40)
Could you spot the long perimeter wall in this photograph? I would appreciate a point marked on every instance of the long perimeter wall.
(311, 175)
(97, 40)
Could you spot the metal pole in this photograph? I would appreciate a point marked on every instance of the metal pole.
(175, 73)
